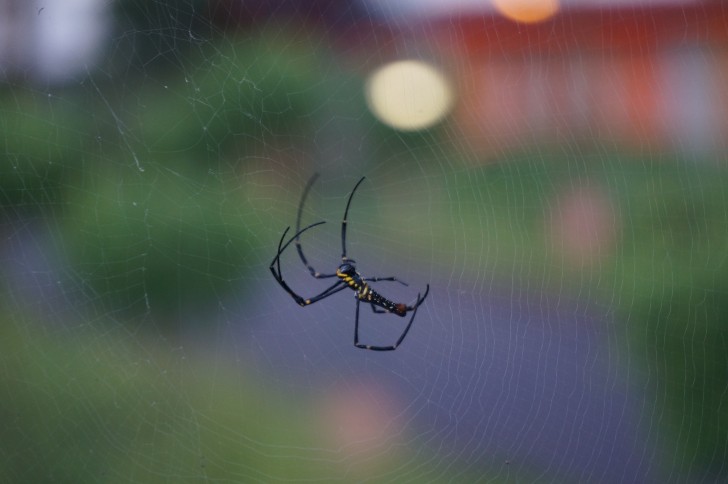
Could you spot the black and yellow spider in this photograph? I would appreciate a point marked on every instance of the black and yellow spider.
(347, 277)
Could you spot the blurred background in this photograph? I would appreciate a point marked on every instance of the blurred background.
(555, 169)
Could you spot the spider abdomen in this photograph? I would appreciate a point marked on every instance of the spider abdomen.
(377, 299)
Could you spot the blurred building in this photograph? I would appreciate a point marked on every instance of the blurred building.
(650, 75)
(652, 78)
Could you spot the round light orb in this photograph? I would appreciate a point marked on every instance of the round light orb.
(409, 95)
(527, 11)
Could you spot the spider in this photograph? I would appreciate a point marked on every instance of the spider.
(347, 277)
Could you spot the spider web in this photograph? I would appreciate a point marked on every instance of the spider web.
(569, 213)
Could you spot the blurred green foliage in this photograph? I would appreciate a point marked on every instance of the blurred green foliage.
(147, 180)
(90, 406)
(43, 140)
(232, 100)
(671, 279)
(158, 242)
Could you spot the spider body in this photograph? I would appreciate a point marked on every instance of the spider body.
(347, 277)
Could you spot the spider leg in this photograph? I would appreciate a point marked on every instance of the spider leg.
(376, 310)
(345, 221)
(278, 275)
(282, 246)
(328, 292)
(331, 290)
(299, 249)
(377, 279)
(401, 337)
(419, 300)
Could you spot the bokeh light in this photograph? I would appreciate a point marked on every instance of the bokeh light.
(583, 225)
(409, 95)
(527, 11)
